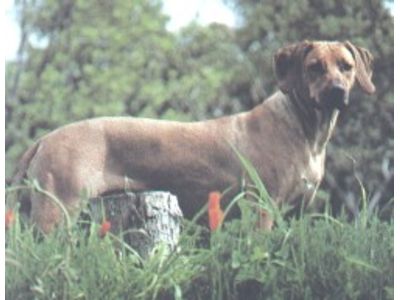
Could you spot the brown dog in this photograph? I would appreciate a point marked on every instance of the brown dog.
(285, 138)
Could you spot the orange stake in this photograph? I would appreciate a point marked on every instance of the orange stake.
(215, 213)
(10, 218)
(105, 227)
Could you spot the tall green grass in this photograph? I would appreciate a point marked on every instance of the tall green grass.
(315, 256)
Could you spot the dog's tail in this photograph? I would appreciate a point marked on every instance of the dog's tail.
(21, 173)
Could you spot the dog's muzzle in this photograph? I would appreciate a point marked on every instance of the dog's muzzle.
(335, 96)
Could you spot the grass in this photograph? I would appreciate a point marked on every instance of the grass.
(315, 256)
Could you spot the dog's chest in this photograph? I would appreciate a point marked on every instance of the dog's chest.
(313, 171)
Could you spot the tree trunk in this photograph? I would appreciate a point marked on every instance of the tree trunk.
(143, 219)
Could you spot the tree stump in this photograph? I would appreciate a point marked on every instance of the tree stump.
(144, 219)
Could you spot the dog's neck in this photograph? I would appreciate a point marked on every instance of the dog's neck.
(317, 123)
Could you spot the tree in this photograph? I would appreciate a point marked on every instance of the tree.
(83, 59)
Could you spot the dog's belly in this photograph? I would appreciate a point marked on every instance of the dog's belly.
(190, 183)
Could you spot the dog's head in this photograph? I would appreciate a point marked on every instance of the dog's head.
(324, 72)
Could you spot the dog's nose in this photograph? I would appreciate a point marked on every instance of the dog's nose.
(336, 96)
(336, 92)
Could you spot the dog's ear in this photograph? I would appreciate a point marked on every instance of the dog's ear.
(363, 64)
(288, 64)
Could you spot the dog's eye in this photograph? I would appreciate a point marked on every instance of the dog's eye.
(344, 66)
(316, 68)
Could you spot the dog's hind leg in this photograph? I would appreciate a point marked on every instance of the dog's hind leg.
(45, 212)
(52, 202)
